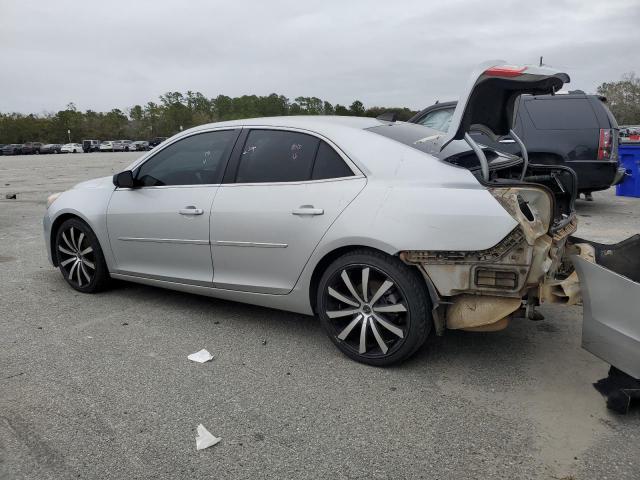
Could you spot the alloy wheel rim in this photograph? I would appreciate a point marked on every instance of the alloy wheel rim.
(76, 256)
(367, 310)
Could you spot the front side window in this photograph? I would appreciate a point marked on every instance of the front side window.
(196, 160)
(276, 156)
(438, 119)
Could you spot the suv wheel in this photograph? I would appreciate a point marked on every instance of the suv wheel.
(374, 308)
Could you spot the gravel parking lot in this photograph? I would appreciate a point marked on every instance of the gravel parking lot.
(99, 386)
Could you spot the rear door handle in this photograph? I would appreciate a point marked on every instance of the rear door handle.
(190, 210)
(307, 210)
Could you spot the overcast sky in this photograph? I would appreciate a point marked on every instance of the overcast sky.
(112, 53)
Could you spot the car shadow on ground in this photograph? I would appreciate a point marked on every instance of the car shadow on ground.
(482, 353)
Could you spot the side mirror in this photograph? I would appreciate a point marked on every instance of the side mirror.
(124, 179)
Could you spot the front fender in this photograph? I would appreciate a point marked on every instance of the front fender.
(88, 204)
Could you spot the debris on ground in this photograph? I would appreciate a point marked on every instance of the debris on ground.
(619, 389)
(205, 438)
(264, 342)
(10, 196)
(201, 356)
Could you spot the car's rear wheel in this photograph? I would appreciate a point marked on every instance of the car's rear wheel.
(80, 258)
(374, 308)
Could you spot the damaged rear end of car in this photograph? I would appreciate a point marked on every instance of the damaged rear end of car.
(483, 290)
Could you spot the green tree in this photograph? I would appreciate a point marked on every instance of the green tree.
(357, 108)
(623, 98)
(341, 110)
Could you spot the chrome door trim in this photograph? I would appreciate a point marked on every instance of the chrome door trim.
(164, 240)
(126, 275)
(231, 243)
(166, 281)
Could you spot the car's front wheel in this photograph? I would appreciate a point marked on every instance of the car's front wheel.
(80, 257)
(374, 307)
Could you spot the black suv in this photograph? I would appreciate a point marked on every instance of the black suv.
(575, 129)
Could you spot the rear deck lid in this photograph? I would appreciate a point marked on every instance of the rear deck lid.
(488, 102)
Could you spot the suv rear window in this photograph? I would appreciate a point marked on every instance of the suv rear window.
(557, 113)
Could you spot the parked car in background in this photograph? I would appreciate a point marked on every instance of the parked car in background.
(51, 148)
(117, 146)
(2, 145)
(106, 146)
(140, 146)
(30, 148)
(12, 149)
(630, 133)
(156, 141)
(122, 145)
(71, 148)
(90, 146)
(575, 130)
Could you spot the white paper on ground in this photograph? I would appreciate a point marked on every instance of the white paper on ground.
(205, 438)
(201, 356)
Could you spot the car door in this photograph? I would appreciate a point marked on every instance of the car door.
(286, 189)
(160, 228)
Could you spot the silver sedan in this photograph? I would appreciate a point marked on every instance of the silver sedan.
(385, 230)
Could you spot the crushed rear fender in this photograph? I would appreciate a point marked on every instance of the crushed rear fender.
(611, 302)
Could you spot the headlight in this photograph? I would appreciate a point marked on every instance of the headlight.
(52, 198)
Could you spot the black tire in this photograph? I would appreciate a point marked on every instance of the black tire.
(80, 258)
(407, 291)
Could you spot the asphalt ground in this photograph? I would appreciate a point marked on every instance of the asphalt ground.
(99, 386)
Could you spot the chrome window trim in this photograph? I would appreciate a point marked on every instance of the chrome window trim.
(298, 182)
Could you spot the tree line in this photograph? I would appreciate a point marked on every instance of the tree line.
(623, 98)
(174, 111)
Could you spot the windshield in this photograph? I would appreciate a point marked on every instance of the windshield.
(438, 119)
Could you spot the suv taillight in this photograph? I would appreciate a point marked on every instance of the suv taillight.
(605, 145)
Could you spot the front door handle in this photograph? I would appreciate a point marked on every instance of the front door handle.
(307, 210)
(190, 210)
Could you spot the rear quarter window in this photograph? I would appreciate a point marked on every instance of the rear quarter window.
(561, 113)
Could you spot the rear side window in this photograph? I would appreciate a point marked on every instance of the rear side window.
(283, 156)
(558, 113)
(329, 164)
